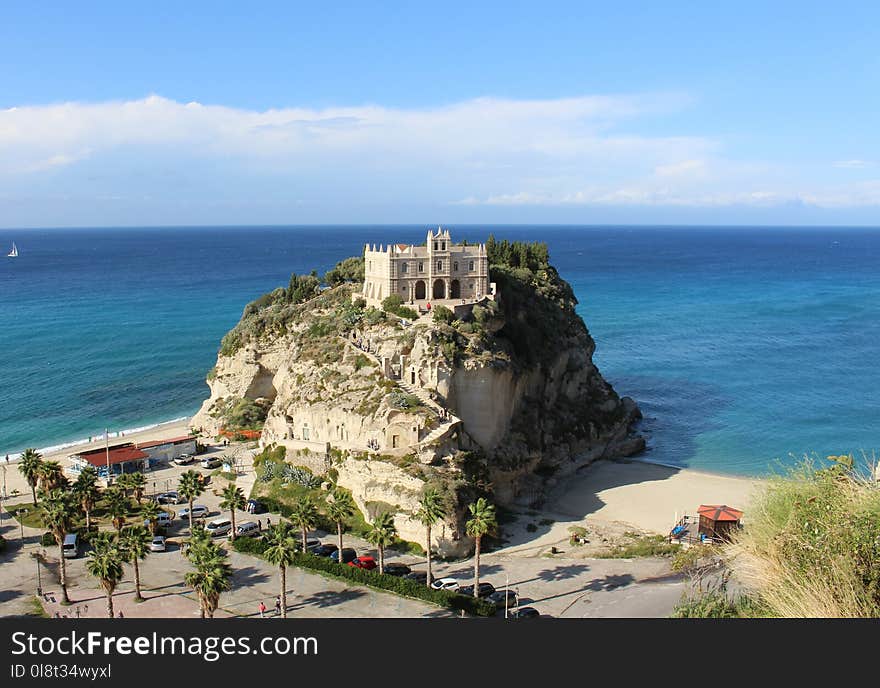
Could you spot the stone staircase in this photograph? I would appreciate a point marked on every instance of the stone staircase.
(444, 427)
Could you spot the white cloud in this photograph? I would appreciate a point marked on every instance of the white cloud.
(853, 164)
(579, 151)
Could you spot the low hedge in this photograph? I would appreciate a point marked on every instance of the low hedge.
(372, 579)
(47, 539)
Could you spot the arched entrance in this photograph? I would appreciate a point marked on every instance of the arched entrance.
(455, 290)
(420, 290)
(439, 291)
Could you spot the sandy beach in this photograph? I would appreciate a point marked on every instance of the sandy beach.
(15, 481)
(608, 496)
(615, 496)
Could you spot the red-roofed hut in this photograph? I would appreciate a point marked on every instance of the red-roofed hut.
(718, 520)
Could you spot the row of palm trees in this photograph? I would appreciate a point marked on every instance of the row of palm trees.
(340, 507)
(61, 503)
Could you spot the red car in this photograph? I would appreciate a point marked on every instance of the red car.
(367, 563)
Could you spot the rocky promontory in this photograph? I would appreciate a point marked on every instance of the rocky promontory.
(499, 398)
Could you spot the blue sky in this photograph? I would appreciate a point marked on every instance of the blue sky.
(580, 112)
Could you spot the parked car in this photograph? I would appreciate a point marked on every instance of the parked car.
(498, 596)
(395, 569)
(325, 550)
(70, 548)
(348, 554)
(163, 520)
(157, 544)
(524, 613)
(170, 498)
(219, 527)
(418, 576)
(311, 543)
(183, 460)
(364, 562)
(486, 589)
(446, 584)
(248, 529)
(254, 506)
(198, 511)
(211, 462)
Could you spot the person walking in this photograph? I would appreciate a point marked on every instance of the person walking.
(262, 610)
(278, 606)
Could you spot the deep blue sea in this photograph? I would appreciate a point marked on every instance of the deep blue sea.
(744, 347)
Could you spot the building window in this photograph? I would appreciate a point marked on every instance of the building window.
(403, 289)
(306, 431)
(442, 245)
(421, 267)
(435, 245)
(455, 267)
(439, 265)
(403, 267)
(395, 441)
(471, 268)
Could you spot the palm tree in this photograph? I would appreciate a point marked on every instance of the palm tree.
(137, 482)
(105, 564)
(382, 532)
(340, 509)
(29, 466)
(304, 515)
(482, 522)
(190, 487)
(57, 516)
(51, 476)
(85, 490)
(123, 482)
(212, 573)
(281, 552)
(134, 543)
(430, 511)
(233, 498)
(150, 512)
(117, 506)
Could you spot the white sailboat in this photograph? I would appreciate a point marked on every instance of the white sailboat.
(14, 252)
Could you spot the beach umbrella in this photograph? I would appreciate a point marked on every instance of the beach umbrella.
(719, 512)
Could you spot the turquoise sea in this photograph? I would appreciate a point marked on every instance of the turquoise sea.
(744, 347)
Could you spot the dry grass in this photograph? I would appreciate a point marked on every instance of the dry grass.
(812, 545)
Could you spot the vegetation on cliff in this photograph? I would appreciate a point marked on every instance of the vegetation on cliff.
(810, 548)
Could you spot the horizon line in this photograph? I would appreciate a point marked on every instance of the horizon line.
(452, 225)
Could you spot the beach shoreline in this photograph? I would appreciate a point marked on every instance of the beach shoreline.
(144, 433)
(610, 497)
(607, 494)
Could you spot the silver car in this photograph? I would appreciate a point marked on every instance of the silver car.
(219, 527)
(157, 544)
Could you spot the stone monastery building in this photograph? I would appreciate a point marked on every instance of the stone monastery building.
(438, 272)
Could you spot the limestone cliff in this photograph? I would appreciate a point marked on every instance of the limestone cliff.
(501, 396)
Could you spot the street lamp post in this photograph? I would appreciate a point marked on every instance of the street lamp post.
(37, 556)
(21, 513)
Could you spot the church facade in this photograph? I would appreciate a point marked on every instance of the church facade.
(440, 272)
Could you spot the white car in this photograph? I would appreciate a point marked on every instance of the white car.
(164, 519)
(198, 511)
(183, 460)
(157, 544)
(219, 527)
(446, 584)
